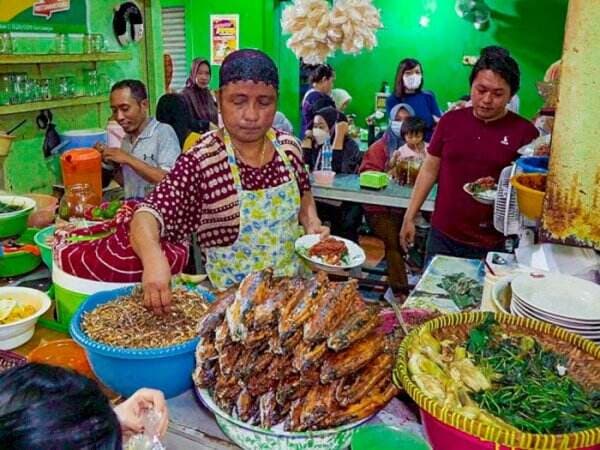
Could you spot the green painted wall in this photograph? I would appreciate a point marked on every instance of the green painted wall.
(532, 30)
(27, 149)
(259, 28)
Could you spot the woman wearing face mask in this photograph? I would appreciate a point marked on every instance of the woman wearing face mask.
(409, 85)
(386, 222)
(345, 218)
(199, 98)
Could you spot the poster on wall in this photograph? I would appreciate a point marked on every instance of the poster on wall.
(43, 16)
(224, 36)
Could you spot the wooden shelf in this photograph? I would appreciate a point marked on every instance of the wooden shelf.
(50, 104)
(54, 58)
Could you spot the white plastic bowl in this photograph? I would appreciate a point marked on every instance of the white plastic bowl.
(324, 177)
(14, 334)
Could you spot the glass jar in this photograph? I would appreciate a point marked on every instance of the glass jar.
(20, 88)
(78, 199)
(44, 89)
(62, 87)
(6, 89)
(90, 82)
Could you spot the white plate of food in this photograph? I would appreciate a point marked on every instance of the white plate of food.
(482, 190)
(332, 252)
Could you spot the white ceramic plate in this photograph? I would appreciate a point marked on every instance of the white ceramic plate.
(559, 295)
(590, 326)
(485, 197)
(520, 312)
(356, 255)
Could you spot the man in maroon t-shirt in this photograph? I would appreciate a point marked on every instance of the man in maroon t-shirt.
(468, 144)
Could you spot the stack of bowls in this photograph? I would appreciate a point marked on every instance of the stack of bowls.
(562, 300)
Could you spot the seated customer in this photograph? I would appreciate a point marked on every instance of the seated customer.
(386, 222)
(345, 218)
(413, 134)
(45, 407)
(173, 110)
(148, 150)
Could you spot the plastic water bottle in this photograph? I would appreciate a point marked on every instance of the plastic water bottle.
(327, 155)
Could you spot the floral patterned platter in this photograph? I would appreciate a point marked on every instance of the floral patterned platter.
(251, 437)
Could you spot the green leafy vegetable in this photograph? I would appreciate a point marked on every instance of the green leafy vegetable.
(6, 208)
(464, 291)
(531, 390)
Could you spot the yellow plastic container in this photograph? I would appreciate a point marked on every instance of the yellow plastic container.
(6, 141)
(530, 200)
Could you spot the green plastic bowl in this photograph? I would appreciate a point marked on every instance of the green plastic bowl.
(18, 263)
(14, 223)
(386, 437)
(46, 250)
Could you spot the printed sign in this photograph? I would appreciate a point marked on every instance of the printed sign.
(46, 8)
(43, 16)
(225, 36)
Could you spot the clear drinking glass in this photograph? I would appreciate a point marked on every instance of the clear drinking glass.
(6, 44)
(61, 43)
(97, 42)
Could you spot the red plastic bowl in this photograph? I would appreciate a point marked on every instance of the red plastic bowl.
(446, 437)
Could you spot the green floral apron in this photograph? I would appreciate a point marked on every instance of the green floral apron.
(268, 228)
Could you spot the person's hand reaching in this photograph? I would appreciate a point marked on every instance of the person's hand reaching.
(131, 412)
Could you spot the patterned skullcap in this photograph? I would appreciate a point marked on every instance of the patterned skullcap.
(248, 64)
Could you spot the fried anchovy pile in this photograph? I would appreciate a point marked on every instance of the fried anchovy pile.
(125, 322)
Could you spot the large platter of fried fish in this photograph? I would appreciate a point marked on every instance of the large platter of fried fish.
(307, 354)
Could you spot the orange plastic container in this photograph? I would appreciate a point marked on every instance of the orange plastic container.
(82, 165)
(63, 353)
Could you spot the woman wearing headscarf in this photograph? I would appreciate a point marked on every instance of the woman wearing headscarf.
(243, 189)
(386, 222)
(198, 96)
(344, 217)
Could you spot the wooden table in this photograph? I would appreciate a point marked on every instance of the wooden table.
(346, 187)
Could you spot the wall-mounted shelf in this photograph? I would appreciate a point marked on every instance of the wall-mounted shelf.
(54, 58)
(61, 103)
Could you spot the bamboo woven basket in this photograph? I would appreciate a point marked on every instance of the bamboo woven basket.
(588, 439)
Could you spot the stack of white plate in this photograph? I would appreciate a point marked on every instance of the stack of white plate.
(568, 302)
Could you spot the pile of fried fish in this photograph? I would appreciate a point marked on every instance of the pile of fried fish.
(306, 353)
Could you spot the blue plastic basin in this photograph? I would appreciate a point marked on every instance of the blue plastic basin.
(533, 164)
(82, 138)
(168, 369)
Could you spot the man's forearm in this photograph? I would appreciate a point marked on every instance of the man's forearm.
(145, 237)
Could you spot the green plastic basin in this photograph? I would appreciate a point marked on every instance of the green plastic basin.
(386, 437)
(40, 239)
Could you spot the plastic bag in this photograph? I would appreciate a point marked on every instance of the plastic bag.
(149, 439)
